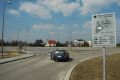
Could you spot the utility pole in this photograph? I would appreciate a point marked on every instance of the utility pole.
(2, 42)
(18, 41)
(27, 40)
(70, 39)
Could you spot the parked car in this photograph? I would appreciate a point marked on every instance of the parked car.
(59, 55)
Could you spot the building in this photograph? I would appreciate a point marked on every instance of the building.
(51, 43)
(90, 43)
(78, 42)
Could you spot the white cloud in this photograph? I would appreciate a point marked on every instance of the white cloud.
(49, 27)
(51, 4)
(14, 12)
(118, 2)
(86, 35)
(44, 8)
(76, 25)
(43, 27)
(61, 27)
(60, 6)
(35, 9)
(87, 25)
(68, 9)
(118, 30)
(80, 33)
(52, 33)
(118, 25)
(94, 5)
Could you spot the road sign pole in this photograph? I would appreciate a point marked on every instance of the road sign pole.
(104, 34)
(104, 63)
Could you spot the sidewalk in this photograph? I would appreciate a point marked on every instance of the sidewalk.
(23, 56)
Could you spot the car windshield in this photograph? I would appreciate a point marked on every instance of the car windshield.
(59, 52)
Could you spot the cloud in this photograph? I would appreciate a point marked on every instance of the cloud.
(118, 25)
(68, 9)
(76, 25)
(43, 27)
(35, 9)
(90, 6)
(60, 6)
(61, 27)
(118, 30)
(14, 12)
(80, 32)
(49, 27)
(87, 25)
(118, 2)
(45, 8)
(52, 33)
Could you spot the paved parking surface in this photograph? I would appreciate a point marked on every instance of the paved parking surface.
(40, 67)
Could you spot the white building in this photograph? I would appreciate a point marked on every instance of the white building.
(90, 43)
(78, 42)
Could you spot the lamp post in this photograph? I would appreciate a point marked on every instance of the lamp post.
(2, 42)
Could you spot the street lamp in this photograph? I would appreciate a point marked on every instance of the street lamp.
(2, 46)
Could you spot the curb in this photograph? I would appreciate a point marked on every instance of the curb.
(67, 76)
(6, 60)
(68, 73)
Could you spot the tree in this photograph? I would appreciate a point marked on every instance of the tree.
(39, 42)
(58, 44)
(14, 43)
(1, 42)
(86, 44)
(66, 43)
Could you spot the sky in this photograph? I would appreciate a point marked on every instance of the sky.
(62, 20)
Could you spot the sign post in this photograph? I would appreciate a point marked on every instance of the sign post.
(104, 63)
(104, 34)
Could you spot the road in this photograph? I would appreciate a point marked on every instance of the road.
(40, 67)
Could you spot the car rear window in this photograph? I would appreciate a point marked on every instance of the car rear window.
(59, 52)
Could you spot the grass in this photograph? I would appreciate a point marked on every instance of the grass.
(92, 69)
(8, 54)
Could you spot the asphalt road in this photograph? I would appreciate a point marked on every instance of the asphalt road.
(40, 67)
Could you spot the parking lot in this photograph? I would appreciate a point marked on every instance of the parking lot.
(40, 67)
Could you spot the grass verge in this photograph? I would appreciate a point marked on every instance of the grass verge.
(8, 54)
(92, 69)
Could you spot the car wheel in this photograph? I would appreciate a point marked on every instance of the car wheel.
(55, 60)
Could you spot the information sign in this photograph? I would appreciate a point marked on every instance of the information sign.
(104, 30)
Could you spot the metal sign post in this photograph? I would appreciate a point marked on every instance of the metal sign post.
(104, 63)
(104, 34)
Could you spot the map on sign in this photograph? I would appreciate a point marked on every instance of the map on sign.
(104, 30)
(101, 25)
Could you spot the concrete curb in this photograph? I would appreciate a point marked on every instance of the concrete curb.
(67, 76)
(24, 56)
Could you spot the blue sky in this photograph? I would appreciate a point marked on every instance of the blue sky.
(54, 19)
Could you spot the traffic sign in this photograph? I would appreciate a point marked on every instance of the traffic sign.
(104, 30)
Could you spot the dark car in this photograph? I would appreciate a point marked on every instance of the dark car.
(60, 55)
